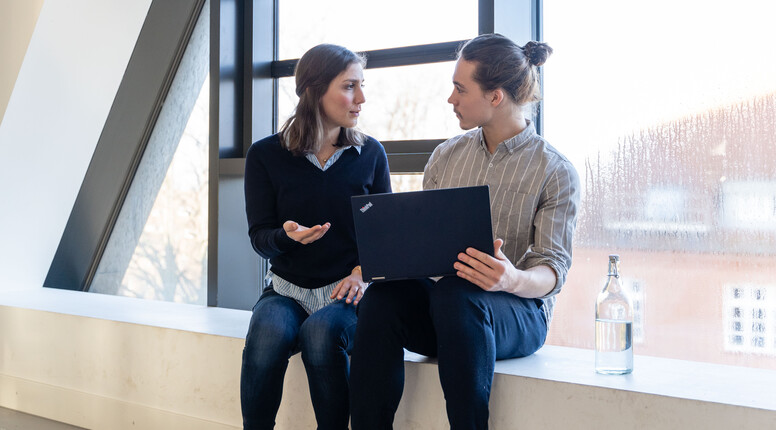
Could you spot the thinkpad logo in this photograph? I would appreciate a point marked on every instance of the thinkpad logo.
(366, 207)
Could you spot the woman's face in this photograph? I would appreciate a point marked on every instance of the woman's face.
(341, 104)
(470, 104)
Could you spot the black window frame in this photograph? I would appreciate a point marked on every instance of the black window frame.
(404, 156)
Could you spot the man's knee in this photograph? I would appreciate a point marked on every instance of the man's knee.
(381, 300)
(456, 296)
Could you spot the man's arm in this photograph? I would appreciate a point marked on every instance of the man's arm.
(499, 274)
(542, 270)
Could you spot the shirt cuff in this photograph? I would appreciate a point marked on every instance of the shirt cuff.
(532, 259)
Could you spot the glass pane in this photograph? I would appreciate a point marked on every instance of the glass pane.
(372, 24)
(158, 247)
(403, 182)
(402, 103)
(674, 137)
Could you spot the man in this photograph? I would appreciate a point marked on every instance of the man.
(497, 306)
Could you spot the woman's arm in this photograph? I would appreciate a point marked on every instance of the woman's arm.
(382, 178)
(266, 232)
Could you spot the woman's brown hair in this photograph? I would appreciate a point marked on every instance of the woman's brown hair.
(303, 131)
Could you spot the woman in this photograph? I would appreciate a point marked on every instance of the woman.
(298, 185)
(497, 306)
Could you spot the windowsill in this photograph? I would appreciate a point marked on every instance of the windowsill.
(176, 316)
(739, 386)
(705, 382)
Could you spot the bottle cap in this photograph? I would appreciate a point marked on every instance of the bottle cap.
(614, 257)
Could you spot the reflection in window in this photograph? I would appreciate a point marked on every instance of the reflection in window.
(749, 205)
(638, 302)
(372, 24)
(402, 103)
(746, 317)
(158, 247)
(676, 151)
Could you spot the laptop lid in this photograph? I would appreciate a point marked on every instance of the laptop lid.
(419, 234)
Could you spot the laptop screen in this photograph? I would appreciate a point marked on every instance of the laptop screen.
(420, 234)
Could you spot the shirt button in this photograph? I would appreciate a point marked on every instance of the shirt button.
(490, 165)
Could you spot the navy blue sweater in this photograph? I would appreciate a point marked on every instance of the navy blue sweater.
(280, 187)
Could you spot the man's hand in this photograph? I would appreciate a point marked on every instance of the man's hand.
(499, 274)
(354, 286)
(304, 234)
(495, 273)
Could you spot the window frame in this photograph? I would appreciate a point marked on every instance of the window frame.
(400, 159)
(155, 59)
(244, 96)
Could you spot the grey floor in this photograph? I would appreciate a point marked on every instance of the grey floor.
(13, 420)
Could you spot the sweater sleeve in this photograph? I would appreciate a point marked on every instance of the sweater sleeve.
(264, 228)
(382, 180)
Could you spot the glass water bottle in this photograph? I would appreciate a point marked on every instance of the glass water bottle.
(613, 325)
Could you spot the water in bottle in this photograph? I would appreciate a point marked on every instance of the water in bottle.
(613, 325)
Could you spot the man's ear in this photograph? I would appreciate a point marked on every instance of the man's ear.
(496, 97)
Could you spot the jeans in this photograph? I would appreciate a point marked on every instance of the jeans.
(280, 328)
(465, 327)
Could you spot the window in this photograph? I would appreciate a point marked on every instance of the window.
(637, 288)
(669, 119)
(410, 69)
(402, 103)
(372, 24)
(401, 183)
(158, 247)
(749, 323)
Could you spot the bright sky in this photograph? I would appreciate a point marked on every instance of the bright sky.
(373, 24)
(618, 65)
(624, 65)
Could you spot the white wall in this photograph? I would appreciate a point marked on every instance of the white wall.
(17, 21)
(65, 88)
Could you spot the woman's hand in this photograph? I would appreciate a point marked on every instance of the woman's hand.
(353, 287)
(304, 234)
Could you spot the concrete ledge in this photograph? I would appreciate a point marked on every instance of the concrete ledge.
(108, 362)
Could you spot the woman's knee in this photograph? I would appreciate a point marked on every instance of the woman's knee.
(269, 343)
(327, 337)
(272, 333)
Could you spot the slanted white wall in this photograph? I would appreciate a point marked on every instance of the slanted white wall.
(63, 93)
(17, 21)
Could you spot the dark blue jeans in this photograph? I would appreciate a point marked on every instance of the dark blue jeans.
(280, 328)
(466, 328)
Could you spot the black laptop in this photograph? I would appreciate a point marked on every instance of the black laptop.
(420, 234)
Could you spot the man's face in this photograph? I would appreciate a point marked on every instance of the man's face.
(470, 104)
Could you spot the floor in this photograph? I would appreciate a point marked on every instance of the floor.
(13, 420)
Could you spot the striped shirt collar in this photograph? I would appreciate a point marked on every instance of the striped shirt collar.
(330, 162)
(514, 142)
(285, 145)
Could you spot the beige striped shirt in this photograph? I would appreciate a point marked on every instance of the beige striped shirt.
(534, 196)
